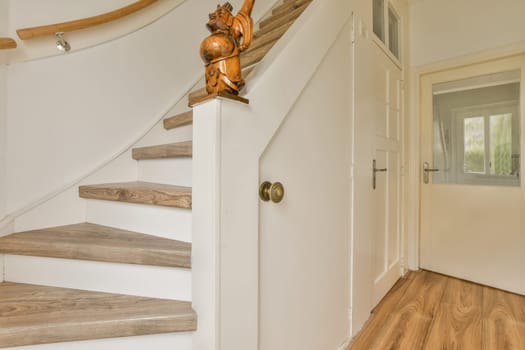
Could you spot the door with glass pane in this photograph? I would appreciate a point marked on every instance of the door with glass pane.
(471, 190)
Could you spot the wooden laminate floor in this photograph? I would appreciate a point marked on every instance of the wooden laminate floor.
(429, 311)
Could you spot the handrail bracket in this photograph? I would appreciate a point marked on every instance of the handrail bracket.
(62, 44)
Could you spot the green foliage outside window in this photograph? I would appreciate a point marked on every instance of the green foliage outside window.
(474, 143)
(501, 144)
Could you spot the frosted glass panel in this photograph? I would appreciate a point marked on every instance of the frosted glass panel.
(476, 133)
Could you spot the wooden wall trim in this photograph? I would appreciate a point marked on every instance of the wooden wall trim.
(51, 29)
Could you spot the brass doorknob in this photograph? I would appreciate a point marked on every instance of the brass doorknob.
(273, 192)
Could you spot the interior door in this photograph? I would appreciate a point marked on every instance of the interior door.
(471, 190)
(377, 162)
(386, 239)
(304, 239)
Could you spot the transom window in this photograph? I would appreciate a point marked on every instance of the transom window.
(384, 16)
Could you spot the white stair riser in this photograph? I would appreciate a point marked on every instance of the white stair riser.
(158, 135)
(171, 341)
(173, 223)
(179, 134)
(139, 280)
(64, 209)
(175, 171)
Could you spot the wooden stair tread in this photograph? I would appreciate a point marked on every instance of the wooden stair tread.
(181, 119)
(255, 56)
(98, 243)
(270, 36)
(286, 7)
(140, 192)
(282, 11)
(31, 314)
(277, 21)
(171, 150)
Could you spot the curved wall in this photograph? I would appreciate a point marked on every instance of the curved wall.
(69, 114)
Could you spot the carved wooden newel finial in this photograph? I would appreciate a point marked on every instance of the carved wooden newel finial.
(230, 35)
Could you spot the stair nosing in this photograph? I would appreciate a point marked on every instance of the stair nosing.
(32, 314)
(186, 117)
(123, 192)
(287, 6)
(66, 246)
(182, 149)
(289, 17)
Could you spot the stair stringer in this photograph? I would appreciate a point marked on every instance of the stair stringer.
(235, 137)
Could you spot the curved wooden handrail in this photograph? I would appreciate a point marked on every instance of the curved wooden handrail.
(7, 43)
(51, 29)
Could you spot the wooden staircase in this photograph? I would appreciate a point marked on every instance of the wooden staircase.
(99, 279)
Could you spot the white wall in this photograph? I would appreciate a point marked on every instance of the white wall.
(68, 114)
(443, 29)
(71, 113)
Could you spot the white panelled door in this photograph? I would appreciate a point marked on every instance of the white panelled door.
(304, 240)
(377, 141)
(386, 237)
(471, 193)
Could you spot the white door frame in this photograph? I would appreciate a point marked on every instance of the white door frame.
(413, 142)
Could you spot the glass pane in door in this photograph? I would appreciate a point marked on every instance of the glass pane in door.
(476, 131)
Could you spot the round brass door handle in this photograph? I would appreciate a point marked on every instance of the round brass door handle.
(273, 192)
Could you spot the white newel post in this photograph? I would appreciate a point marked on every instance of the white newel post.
(206, 222)
(225, 227)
